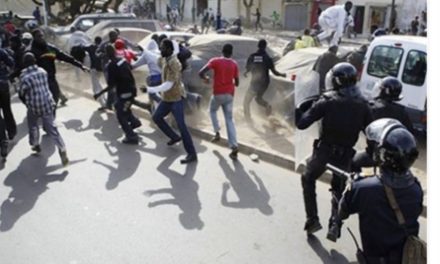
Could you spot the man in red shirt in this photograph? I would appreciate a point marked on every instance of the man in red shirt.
(123, 52)
(225, 79)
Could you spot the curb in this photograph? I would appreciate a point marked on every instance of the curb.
(276, 159)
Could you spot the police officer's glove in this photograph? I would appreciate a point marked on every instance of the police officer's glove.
(307, 103)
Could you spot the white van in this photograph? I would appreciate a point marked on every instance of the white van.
(403, 57)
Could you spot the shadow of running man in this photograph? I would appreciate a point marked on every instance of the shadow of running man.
(183, 191)
(249, 193)
(28, 182)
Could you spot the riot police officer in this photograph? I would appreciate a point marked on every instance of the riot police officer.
(388, 92)
(344, 113)
(382, 237)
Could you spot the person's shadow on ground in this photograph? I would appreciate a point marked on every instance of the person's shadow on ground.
(327, 257)
(183, 192)
(249, 193)
(28, 182)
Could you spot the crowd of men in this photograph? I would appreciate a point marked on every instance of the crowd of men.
(340, 107)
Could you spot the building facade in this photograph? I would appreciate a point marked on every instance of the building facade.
(300, 14)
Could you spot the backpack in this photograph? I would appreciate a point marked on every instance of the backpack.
(414, 249)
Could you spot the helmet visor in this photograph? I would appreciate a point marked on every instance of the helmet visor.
(377, 129)
(328, 81)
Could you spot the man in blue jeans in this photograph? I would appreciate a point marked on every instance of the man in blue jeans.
(172, 101)
(225, 79)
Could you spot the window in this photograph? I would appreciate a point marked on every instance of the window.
(385, 61)
(414, 72)
(85, 24)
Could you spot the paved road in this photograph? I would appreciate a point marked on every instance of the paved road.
(137, 204)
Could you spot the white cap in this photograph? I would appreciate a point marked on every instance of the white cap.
(27, 35)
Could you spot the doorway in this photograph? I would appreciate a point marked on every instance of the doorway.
(202, 5)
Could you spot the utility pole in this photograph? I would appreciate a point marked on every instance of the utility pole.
(393, 15)
(45, 12)
(193, 10)
(219, 14)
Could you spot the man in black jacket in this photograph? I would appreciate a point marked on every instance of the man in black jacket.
(259, 64)
(7, 121)
(384, 106)
(382, 236)
(46, 54)
(121, 78)
(343, 113)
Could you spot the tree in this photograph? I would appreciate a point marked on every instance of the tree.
(248, 6)
(73, 8)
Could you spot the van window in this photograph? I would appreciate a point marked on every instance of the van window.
(415, 68)
(385, 61)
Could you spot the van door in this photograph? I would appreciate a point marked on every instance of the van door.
(414, 80)
(381, 62)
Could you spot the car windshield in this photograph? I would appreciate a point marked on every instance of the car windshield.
(414, 72)
(385, 61)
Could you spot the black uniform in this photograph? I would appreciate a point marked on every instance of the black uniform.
(344, 114)
(120, 77)
(7, 120)
(259, 64)
(381, 235)
(381, 108)
(46, 56)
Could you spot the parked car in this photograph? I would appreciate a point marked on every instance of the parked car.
(178, 36)
(405, 58)
(87, 21)
(298, 66)
(134, 35)
(205, 47)
(148, 24)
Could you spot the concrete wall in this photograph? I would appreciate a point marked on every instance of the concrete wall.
(230, 8)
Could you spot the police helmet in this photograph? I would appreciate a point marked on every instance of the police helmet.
(389, 88)
(395, 147)
(342, 75)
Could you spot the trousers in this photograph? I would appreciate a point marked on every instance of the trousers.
(322, 154)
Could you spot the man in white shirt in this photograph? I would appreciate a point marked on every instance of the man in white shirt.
(333, 21)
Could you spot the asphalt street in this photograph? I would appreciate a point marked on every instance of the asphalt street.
(119, 203)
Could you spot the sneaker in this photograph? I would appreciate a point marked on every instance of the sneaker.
(216, 137)
(173, 141)
(312, 226)
(4, 148)
(234, 153)
(334, 232)
(36, 148)
(63, 100)
(131, 141)
(189, 158)
(64, 159)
